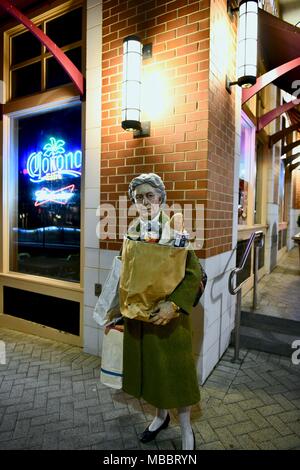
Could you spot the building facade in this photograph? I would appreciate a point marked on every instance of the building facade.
(66, 162)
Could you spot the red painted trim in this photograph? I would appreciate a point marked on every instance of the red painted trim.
(268, 78)
(73, 72)
(275, 113)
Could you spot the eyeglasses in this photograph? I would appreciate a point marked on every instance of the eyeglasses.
(148, 196)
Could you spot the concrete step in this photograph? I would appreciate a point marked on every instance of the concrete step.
(267, 341)
(269, 323)
(268, 334)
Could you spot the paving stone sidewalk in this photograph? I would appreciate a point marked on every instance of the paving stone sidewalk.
(51, 398)
(278, 292)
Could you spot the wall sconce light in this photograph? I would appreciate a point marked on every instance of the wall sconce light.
(133, 54)
(247, 42)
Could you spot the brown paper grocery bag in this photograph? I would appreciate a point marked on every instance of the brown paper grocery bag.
(150, 272)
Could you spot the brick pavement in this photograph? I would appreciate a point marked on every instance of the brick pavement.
(51, 398)
(278, 292)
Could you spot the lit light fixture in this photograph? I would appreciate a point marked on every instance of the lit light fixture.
(133, 53)
(247, 42)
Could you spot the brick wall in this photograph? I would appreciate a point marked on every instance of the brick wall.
(190, 146)
(221, 131)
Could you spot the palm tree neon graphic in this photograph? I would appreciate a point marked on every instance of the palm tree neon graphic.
(54, 147)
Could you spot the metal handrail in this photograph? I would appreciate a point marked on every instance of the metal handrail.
(257, 238)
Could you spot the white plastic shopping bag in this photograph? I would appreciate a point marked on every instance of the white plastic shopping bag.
(108, 300)
(111, 373)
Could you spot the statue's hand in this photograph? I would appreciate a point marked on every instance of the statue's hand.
(164, 313)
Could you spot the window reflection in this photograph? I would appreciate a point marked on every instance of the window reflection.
(246, 157)
(45, 235)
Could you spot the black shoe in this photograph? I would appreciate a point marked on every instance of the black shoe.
(148, 435)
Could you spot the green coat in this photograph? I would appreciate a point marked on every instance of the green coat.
(158, 362)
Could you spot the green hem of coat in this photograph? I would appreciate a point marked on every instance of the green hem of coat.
(159, 363)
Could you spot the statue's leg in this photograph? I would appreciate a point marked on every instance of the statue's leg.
(160, 417)
(187, 435)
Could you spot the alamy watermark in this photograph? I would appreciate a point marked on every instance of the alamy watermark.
(114, 222)
(2, 353)
(296, 354)
(296, 87)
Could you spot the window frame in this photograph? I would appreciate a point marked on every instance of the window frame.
(39, 20)
(46, 100)
(50, 99)
(251, 167)
(10, 183)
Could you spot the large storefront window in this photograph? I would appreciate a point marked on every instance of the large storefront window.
(45, 215)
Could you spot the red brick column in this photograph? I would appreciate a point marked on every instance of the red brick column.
(191, 146)
(221, 132)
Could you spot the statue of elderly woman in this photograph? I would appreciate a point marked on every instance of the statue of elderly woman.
(158, 362)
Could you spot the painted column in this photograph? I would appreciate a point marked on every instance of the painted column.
(92, 108)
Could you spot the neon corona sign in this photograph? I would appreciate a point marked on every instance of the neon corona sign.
(53, 163)
(61, 196)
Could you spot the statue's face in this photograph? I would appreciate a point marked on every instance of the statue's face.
(147, 200)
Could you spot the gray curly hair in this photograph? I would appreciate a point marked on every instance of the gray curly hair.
(150, 178)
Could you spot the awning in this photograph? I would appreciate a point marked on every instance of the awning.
(279, 50)
(279, 43)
